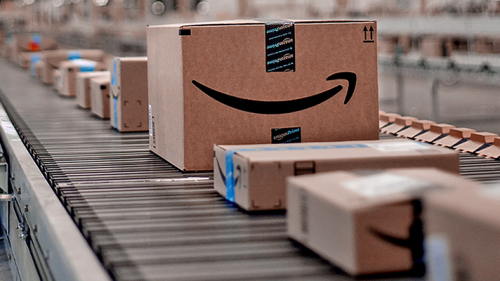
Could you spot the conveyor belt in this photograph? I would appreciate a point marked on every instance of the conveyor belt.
(145, 219)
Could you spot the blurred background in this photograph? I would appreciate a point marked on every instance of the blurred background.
(438, 59)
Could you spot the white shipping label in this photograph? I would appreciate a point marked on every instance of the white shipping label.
(150, 122)
(491, 192)
(437, 256)
(384, 184)
(399, 146)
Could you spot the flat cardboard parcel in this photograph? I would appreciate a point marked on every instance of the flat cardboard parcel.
(250, 82)
(253, 176)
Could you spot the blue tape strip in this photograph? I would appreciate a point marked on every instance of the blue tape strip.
(87, 68)
(34, 58)
(115, 102)
(230, 181)
(37, 38)
(113, 77)
(72, 55)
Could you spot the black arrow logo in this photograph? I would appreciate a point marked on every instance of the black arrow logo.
(365, 30)
(223, 177)
(371, 32)
(414, 242)
(281, 107)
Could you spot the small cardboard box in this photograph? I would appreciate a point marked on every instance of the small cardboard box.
(28, 59)
(366, 222)
(69, 70)
(463, 234)
(83, 89)
(39, 67)
(247, 82)
(253, 176)
(129, 94)
(52, 59)
(58, 80)
(100, 96)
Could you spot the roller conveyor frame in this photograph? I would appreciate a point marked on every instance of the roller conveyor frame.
(100, 217)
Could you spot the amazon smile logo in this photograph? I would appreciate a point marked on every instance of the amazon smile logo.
(282, 107)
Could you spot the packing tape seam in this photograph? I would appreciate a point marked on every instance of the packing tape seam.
(113, 77)
(115, 114)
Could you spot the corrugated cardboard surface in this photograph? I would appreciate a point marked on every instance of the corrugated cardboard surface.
(345, 226)
(130, 93)
(231, 58)
(83, 90)
(100, 96)
(463, 230)
(264, 168)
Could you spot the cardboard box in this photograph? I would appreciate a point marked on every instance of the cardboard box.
(69, 70)
(52, 59)
(58, 80)
(229, 83)
(129, 94)
(462, 234)
(22, 43)
(83, 89)
(253, 176)
(100, 96)
(39, 67)
(366, 222)
(29, 58)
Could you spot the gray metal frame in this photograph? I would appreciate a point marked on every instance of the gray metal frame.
(46, 243)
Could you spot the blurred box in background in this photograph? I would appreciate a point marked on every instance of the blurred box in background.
(100, 96)
(69, 70)
(83, 88)
(52, 60)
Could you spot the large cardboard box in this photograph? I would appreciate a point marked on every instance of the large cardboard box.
(247, 82)
(52, 59)
(69, 70)
(129, 94)
(83, 89)
(463, 234)
(366, 222)
(99, 87)
(253, 176)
